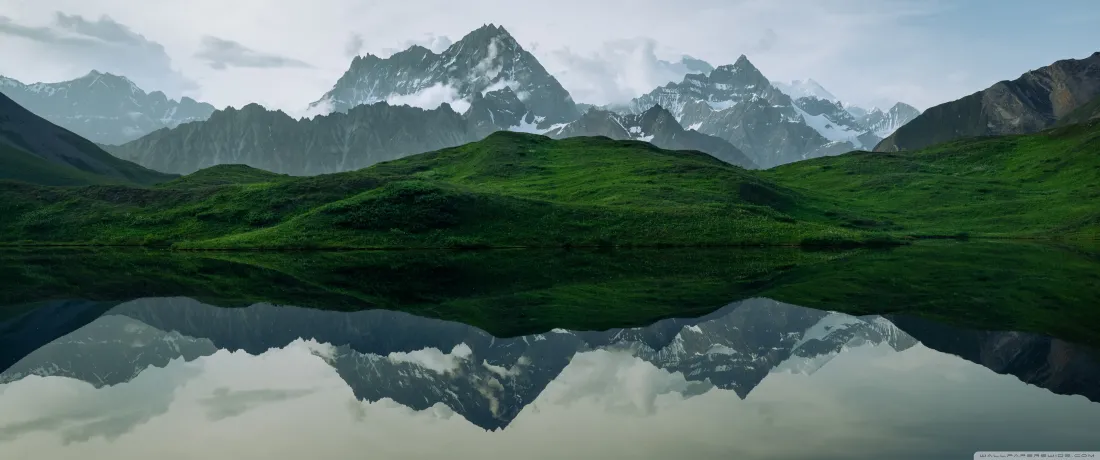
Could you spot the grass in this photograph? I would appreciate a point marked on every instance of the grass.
(18, 165)
(978, 285)
(1045, 185)
(505, 292)
(520, 190)
(509, 190)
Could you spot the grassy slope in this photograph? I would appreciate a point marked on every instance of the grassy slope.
(508, 190)
(18, 165)
(987, 286)
(1025, 186)
(515, 189)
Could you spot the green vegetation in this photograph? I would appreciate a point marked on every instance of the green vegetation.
(992, 285)
(510, 189)
(977, 285)
(519, 190)
(1045, 185)
(18, 165)
(506, 292)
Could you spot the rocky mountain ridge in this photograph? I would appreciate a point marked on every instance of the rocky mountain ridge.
(103, 107)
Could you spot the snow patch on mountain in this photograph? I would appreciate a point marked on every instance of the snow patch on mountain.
(830, 130)
(805, 88)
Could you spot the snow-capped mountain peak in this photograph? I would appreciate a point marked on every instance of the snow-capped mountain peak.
(104, 107)
(485, 60)
(805, 88)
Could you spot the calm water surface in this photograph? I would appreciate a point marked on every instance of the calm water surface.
(175, 378)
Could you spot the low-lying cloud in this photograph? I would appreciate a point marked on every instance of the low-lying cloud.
(221, 54)
(432, 97)
(619, 71)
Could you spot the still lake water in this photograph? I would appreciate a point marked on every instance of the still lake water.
(153, 356)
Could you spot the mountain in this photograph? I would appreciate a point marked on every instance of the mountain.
(420, 362)
(883, 124)
(369, 134)
(833, 122)
(656, 126)
(839, 121)
(104, 108)
(1082, 114)
(805, 88)
(274, 141)
(485, 60)
(738, 104)
(35, 150)
(1033, 102)
(1059, 366)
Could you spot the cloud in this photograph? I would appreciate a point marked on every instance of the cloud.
(432, 97)
(619, 71)
(104, 44)
(223, 403)
(220, 54)
(354, 45)
(436, 43)
(840, 43)
(766, 42)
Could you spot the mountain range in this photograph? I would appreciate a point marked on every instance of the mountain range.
(104, 108)
(420, 362)
(369, 134)
(486, 78)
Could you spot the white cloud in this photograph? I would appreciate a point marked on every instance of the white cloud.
(433, 359)
(619, 71)
(323, 107)
(858, 49)
(436, 43)
(432, 97)
(74, 45)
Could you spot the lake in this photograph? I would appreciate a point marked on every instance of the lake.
(936, 350)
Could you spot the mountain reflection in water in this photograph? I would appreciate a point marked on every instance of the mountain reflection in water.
(176, 378)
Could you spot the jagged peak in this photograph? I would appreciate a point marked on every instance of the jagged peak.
(743, 62)
(742, 65)
(903, 106)
(484, 34)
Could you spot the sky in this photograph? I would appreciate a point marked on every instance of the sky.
(285, 54)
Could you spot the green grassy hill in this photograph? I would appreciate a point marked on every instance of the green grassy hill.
(1041, 185)
(521, 190)
(18, 165)
(510, 189)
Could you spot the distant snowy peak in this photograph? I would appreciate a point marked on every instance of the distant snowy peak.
(883, 124)
(805, 88)
(104, 107)
(484, 61)
(833, 122)
(723, 88)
